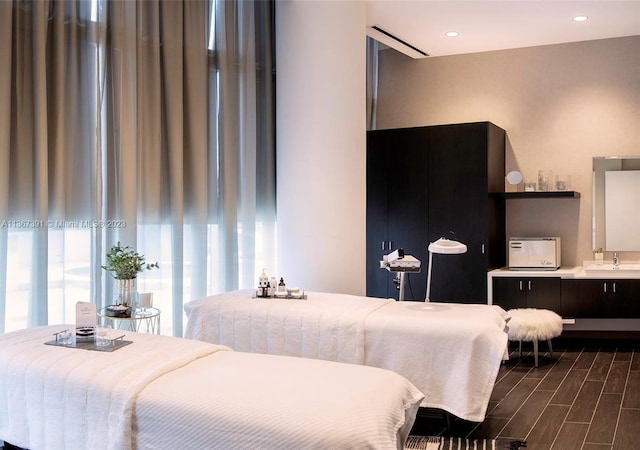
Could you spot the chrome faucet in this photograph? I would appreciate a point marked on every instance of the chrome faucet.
(616, 260)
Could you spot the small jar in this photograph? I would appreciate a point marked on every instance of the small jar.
(599, 257)
(544, 180)
(563, 182)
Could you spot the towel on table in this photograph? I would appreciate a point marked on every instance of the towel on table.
(324, 326)
(79, 399)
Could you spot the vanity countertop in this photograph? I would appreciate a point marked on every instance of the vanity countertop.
(562, 272)
(565, 272)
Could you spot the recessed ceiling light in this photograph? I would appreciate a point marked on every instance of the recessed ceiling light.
(580, 18)
(452, 34)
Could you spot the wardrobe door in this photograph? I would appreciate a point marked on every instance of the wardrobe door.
(396, 206)
(458, 209)
(378, 144)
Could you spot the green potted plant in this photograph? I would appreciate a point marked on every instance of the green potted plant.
(125, 263)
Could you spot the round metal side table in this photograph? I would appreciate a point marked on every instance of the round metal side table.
(149, 317)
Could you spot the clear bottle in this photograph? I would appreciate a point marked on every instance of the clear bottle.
(272, 286)
(599, 257)
(263, 283)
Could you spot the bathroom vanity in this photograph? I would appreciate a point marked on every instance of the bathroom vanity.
(589, 297)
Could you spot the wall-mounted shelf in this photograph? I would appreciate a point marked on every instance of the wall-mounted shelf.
(538, 194)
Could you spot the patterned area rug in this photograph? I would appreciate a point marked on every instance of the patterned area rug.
(454, 443)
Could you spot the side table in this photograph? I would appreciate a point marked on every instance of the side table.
(149, 317)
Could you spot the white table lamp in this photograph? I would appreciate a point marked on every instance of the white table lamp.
(445, 247)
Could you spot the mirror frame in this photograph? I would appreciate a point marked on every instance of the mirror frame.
(602, 164)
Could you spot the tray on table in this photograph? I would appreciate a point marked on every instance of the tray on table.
(88, 343)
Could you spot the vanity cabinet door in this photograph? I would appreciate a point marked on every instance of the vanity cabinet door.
(531, 292)
(583, 299)
(543, 293)
(621, 298)
(600, 299)
(508, 294)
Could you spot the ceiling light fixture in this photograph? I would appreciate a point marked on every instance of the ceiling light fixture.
(452, 34)
(580, 18)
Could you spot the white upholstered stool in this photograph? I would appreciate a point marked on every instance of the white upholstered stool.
(531, 324)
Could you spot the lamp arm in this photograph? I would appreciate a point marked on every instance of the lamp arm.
(429, 278)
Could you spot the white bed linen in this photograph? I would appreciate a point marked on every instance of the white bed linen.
(330, 327)
(162, 392)
(450, 352)
(62, 398)
(252, 401)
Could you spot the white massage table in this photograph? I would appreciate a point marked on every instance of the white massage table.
(450, 352)
(162, 392)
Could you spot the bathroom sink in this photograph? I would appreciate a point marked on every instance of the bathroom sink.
(610, 269)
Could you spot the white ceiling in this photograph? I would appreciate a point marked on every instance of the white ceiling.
(497, 25)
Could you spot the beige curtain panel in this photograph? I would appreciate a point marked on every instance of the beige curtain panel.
(145, 122)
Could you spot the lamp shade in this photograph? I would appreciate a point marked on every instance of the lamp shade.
(447, 247)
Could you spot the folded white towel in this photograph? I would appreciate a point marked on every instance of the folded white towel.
(74, 398)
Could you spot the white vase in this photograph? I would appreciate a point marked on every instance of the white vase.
(125, 292)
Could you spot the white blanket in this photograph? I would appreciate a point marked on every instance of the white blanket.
(330, 327)
(251, 401)
(450, 352)
(165, 393)
(62, 398)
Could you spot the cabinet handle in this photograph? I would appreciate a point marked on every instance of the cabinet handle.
(520, 284)
(382, 247)
(614, 287)
(390, 245)
(529, 284)
(483, 249)
(605, 287)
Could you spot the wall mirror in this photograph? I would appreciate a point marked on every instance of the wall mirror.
(616, 203)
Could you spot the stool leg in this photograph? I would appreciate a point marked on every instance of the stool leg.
(535, 351)
(550, 348)
(520, 348)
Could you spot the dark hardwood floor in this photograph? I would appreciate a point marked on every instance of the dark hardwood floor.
(587, 397)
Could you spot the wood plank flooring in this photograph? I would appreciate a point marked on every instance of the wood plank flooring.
(587, 397)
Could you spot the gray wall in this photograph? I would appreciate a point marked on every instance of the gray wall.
(561, 105)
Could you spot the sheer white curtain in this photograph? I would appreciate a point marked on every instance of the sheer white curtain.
(245, 98)
(125, 125)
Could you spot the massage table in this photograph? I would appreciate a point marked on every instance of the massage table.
(450, 352)
(161, 392)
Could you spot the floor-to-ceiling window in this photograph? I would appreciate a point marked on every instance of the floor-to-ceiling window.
(145, 122)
